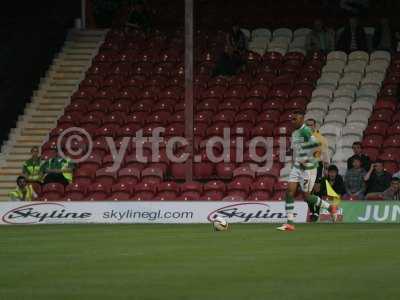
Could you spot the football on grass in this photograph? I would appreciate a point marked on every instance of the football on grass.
(220, 224)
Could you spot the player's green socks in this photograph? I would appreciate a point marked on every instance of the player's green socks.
(313, 200)
(289, 209)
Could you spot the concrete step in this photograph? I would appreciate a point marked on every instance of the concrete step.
(51, 106)
(75, 63)
(35, 131)
(79, 50)
(57, 94)
(48, 121)
(21, 151)
(68, 69)
(33, 127)
(60, 88)
(8, 185)
(11, 171)
(12, 165)
(69, 76)
(18, 157)
(4, 198)
(63, 82)
(42, 114)
(76, 33)
(56, 101)
(7, 178)
(27, 142)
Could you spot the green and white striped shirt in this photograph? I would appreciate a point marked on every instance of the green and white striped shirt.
(304, 146)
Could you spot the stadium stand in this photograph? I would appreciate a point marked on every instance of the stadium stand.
(133, 81)
(47, 104)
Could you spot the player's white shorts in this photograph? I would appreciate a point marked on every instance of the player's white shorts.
(306, 178)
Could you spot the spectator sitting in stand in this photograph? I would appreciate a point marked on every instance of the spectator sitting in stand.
(320, 38)
(378, 180)
(354, 7)
(23, 192)
(58, 169)
(32, 168)
(335, 180)
(393, 192)
(357, 149)
(231, 60)
(385, 37)
(353, 37)
(355, 180)
(139, 17)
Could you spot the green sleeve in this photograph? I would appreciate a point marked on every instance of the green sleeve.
(25, 169)
(44, 166)
(309, 139)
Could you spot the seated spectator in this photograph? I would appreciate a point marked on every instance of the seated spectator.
(32, 168)
(335, 180)
(139, 17)
(378, 180)
(23, 192)
(236, 40)
(393, 192)
(355, 180)
(385, 37)
(58, 169)
(320, 38)
(353, 37)
(357, 149)
(396, 175)
(231, 61)
(354, 7)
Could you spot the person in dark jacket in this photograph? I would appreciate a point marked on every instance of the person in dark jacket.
(378, 180)
(231, 61)
(365, 161)
(385, 36)
(353, 37)
(335, 180)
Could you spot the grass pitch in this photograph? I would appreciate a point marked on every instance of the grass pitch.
(193, 262)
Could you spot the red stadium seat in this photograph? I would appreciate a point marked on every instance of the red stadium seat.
(129, 176)
(378, 127)
(91, 164)
(279, 196)
(105, 177)
(273, 104)
(372, 141)
(98, 192)
(245, 174)
(152, 175)
(372, 153)
(265, 184)
(280, 186)
(224, 170)
(384, 115)
(75, 192)
(52, 192)
(391, 166)
(259, 196)
(392, 142)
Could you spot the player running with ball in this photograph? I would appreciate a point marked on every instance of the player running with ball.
(304, 171)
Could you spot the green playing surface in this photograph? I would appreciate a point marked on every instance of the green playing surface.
(192, 262)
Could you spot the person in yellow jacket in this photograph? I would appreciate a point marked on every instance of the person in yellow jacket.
(32, 168)
(58, 169)
(23, 192)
